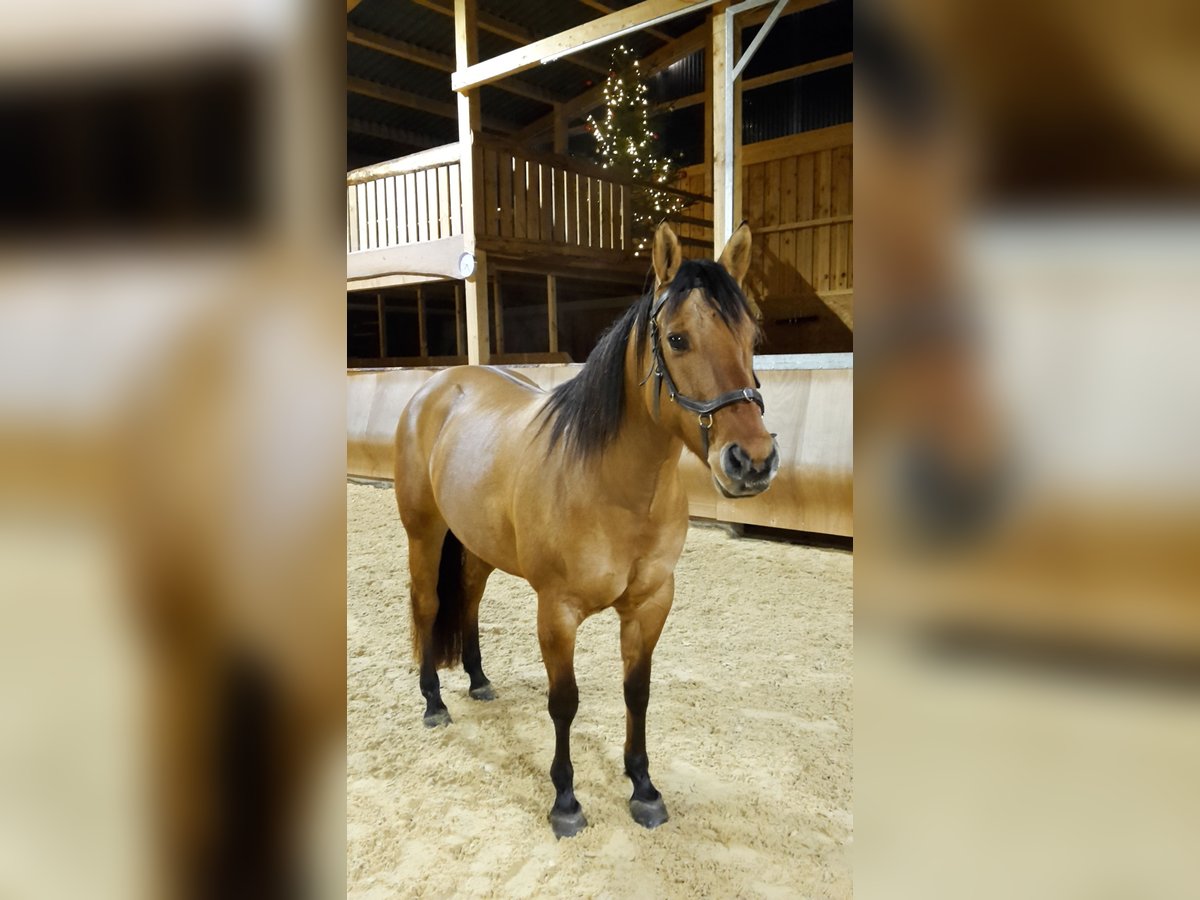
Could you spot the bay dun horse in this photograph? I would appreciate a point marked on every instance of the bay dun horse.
(577, 491)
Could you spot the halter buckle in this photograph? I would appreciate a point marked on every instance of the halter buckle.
(705, 425)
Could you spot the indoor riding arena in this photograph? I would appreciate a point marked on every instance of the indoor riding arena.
(749, 735)
(496, 217)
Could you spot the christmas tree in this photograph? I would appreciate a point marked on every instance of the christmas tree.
(627, 143)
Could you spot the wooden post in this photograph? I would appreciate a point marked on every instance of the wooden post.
(735, 158)
(381, 313)
(498, 313)
(460, 335)
(722, 122)
(708, 119)
(552, 311)
(422, 336)
(466, 53)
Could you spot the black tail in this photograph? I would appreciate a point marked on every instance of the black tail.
(452, 602)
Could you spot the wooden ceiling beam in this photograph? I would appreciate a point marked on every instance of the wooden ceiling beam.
(364, 37)
(507, 30)
(608, 8)
(402, 136)
(383, 43)
(605, 28)
(399, 97)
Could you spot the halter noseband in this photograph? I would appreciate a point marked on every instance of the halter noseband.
(703, 409)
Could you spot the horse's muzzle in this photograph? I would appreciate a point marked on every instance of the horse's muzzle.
(746, 476)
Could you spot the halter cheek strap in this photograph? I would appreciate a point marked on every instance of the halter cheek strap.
(703, 409)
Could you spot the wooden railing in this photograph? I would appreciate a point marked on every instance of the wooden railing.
(410, 200)
(522, 198)
(549, 199)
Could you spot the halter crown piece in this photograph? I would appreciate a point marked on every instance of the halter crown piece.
(703, 409)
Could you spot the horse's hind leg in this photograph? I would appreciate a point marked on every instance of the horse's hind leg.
(475, 576)
(424, 562)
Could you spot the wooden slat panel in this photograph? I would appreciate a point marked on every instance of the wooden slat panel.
(822, 238)
(456, 226)
(560, 206)
(594, 212)
(431, 194)
(393, 236)
(771, 202)
(626, 218)
(533, 190)
(546, 202)
(489, 214)
(518, 188)
(573, 187)
(381, 217)
(369, 228)
(611, 228)
(840, 205)
(414, 212)
(850, 256)
(787, 213)
(443, 201)
(504, 178)
(422, 189)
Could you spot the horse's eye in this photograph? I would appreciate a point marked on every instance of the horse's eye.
(678, 342)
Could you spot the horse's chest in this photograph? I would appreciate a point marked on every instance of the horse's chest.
(634, 563)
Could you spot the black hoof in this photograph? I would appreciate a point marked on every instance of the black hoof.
(567, 824)
(441, 717)
(648, 813)
(483, 692)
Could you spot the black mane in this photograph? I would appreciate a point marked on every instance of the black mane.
(585, 413)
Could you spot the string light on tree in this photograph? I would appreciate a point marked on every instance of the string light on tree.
(628, 144)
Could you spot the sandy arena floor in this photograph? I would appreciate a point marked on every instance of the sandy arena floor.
(749, 735)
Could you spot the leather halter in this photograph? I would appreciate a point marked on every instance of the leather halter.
(703, 409)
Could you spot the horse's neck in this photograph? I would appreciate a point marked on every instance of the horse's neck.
(644, 455)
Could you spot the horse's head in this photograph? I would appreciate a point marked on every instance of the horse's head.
(701, 343)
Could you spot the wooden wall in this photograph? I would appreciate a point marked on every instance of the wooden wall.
(810, 410)
(797, 193)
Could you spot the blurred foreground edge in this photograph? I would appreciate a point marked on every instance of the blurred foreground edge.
(172, 519)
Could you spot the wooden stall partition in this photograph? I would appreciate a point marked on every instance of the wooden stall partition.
(810, 410)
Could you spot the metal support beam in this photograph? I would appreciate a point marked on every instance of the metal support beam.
(758, 39)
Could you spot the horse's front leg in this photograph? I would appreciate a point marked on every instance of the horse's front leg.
(558, 621)
(642, 620)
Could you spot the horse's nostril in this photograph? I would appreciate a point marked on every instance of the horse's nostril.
(737, 462)
(769, 462)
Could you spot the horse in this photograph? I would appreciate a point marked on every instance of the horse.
(577, 491)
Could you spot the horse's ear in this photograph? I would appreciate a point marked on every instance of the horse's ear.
(667, 254)
(736, 255)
